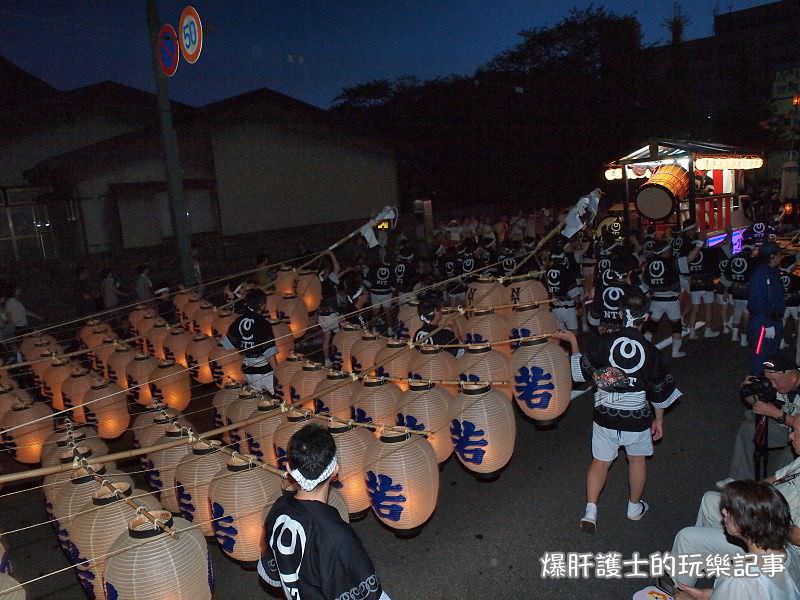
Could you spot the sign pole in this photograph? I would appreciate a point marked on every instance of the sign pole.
(177, 203)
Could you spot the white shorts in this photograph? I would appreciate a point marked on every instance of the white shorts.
(791, 311)
(685, 283)
(384, 300)
(704, 296)
(263, 382)
(671, 308)
(607, 442)
(566, 317)
(721, 299)
(329, 323)
(740, 306)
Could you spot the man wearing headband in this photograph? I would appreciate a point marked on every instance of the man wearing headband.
(736, 279)
(431, 315)
(310, 551)
(766, 304)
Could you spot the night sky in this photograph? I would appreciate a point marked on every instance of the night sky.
(71, 43)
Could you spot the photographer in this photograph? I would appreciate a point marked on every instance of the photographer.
(775, 401)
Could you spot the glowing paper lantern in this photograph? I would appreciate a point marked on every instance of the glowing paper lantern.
(402, 478)
(408, 322)
(175, 345)
(192, 478)
(117, 365)
(135, 316)
(336, 500)
(433, 364)
(486, 327)
(283, 375)
(451, 319)
(10, 396)
(159, 424)
(74, 388)
(483, 429)
(341, 344)
(92, 533)
(351, 448)
(394, 360)
(222, 321)
(309, 288)
(53, 378)
(144, 327)
(271, 304)
(103, 353)
(138, 374)
(304, 382)
(87, 329)
(239, 503)
(43, 362)
(6, 583)
(154, 341)
(96, 339)
(156, 412)
(162, 477)
(484, 293)
(524, 291)
(363, 352)
(60, 441)
(482, 363)
(333, 394)
(291, 307)
(54, 484)
(239, 410)
(220, 403)
(6, 380)
(284, 339)
(165, 567)
(190, 310)
(528, 321)
(294, 421)
(25, 443)
(226, 365)
(259, 435)
(203, 320)
(197, 353)
(542, 379)
(425, 406)
(180, 300)
(32, 346)
(375, 401)
(105, 405)
(170, 383)
(286, 280)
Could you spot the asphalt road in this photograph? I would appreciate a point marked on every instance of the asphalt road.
(485, 540)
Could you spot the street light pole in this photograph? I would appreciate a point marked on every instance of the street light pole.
(172, 161)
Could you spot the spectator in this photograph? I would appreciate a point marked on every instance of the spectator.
(86, 302)
(109, 290)
(198, 273)
(16, 313)
(144, 287)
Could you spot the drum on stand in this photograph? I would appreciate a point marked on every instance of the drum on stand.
(659, 196)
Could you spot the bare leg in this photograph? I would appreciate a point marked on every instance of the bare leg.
(596, 479)
(637, 474)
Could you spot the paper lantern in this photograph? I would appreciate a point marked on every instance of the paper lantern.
(192, 478)
(302, 385)
(271, 305)
(117, 365)
(219, 405)
(103, 353)
(170, 383)
(6, 583)
(333, 394)
(425, 406)
(25, 443)
(294, 421)
(138, 374)
(239, 410)
(197, 353)
(92, 533)
(336, 500)
(190, 310)
(135, 316)
(259, 435)
(283, 375)
(174, 568)
(486, 327)
(363, 352)
(226, 365)
(531, 320)
(451, 319)
(180, 300)
(38, 368)
(105, 405)
(483, 429)
(53, 485)
(32, 346)
(408, 322)
(86, 330)
(341, 344)
(284, 339)
(375, 401)
(53, 379)
(484, 293)
(393, 361)
(482, 363)
(154, 342)
(144, 328)
(351, 448)
(286, 280)
(6, 380)
(222, 321)
(74, 388)
(97, 338)
(542, 379)
(175, 345)
(162, 476)
(402, 478)
(241, 494)
(203, 320)
(433, 364)
(151, 424)
(524, 291)
(56, 443)
(10, 396)
(5, 560)
(291, 307)
(309, 288)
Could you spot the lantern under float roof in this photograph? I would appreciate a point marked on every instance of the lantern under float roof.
(431, 363)
(105, 405)
(175, 345)
(426, 406)
(375, 401)
(408, 321)
(333, 394)
(542, 379)
(170, 383)
(402, 478)
(74, 389)
(304, 381)
(341, 344)
(294, 421)
(162, 477)
(117, 365)
(309, 287)
(351, 448)
(260, 435)
(481, 362)
(192, 479)
(241, 494)
(526, 290)
(485, 327)
(294, 309)
(6, 583)
(154, 340)
(226, 365)
(25, 442)
(138, 374)
(197, 357)
(177, 567)
(284, 339)
(220, 403)
(285, 280)
(283, 375)
(394, 359)
(239, 410)
(484, 293)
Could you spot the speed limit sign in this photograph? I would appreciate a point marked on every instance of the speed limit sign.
(191, 34)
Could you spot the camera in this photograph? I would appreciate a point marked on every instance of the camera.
(760, 388)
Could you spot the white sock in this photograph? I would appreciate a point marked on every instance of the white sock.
(634, 508)
(591, 511)
(734, 332)
(676, 346)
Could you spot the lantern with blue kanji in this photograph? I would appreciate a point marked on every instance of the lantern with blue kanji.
(283, 375)
(303, 383)
(284, 339)
(143, 328)
(105, 405)
(117, 365)
(525, 290)
(189, 312)
(293, 309)
(24, 443)
(175, 345)
(375, 401)
(222, 320)
(170, 383)
(138, 374)
(393, 360)
(431, 363)
(220, 403)
(363, 352)
(293, 421)
(74, 388)
(426, 406)
(529, 321)
(485, 327)
(192, 479)
(333, 394)
(197, 357)
(162, 476)
(542, 379)
(260, 435)
(154, 341)
(482, 363)
(53, 378)
(408, 321)
(203, 322)
(484, 293)
(351, 448)
(226, 365)
(341, 344)
(239, 410)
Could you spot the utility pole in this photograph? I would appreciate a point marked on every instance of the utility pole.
(172, 161)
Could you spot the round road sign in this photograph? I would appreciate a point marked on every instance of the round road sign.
(168, 54)
(191, 34)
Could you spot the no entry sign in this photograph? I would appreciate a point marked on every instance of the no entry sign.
(168, 53)
(191, 34)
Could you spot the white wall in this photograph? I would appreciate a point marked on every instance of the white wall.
(270, 178)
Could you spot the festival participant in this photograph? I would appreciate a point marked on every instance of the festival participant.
(329, 273)
(430, 313)
(703, 269)
(378, 279)
(722, 296)
(735, 278)
(144, 287)
(356, 298)
(630, 376)
(758, 233)
(310, 552)
(562, 285)
(682, 243)
(766, 304)
(791, 291)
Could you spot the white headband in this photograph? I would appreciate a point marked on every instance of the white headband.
(310, 484)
